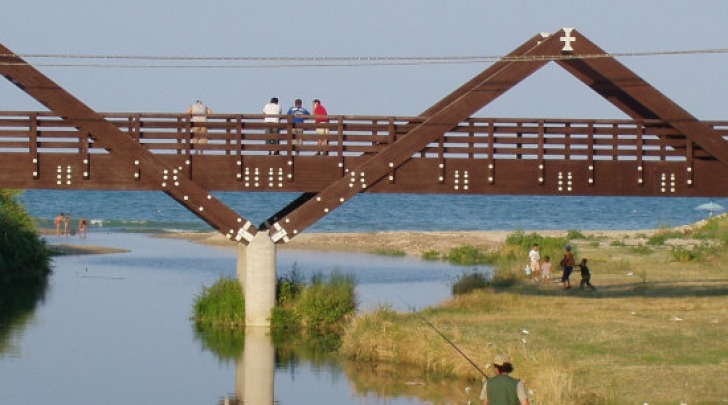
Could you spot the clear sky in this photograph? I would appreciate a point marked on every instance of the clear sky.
(371, 28)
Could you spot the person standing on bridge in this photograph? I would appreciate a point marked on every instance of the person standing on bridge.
(272, 110)
(199, 113)
(321, 116)
(297, 111)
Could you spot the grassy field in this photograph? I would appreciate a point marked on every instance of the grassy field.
(653, 332)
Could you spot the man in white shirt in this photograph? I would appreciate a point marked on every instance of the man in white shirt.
(272, 110)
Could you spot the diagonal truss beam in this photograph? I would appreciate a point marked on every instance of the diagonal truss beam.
(637, 98)
(104, 133)
(442, 117)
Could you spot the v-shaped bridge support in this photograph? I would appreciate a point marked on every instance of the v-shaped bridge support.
(579, 56)
(105, 134)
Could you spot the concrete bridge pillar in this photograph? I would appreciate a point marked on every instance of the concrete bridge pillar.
(257, 275)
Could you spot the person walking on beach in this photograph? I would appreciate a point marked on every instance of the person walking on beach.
(58, 221)
(66, 224)
(546, 269)
(568, 264)
(535, 258)
(585, 275)
(272, 110)
(321, 116)
(82, 227)
(199, 113)
(503, 389)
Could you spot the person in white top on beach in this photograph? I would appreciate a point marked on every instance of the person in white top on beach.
(535, 258)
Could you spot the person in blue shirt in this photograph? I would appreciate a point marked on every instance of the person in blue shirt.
(297, 111)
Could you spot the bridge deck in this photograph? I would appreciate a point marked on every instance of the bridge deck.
(478, 156)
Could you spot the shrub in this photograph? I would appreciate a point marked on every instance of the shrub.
(682, 255)
(430, 255)
(574, 234)
(659, 238)
(221, 304)
(289, 286)
(326, 304)
(469, 282)
(24, 255)
(468, 255)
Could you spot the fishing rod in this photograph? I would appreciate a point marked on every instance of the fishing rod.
(442, 335)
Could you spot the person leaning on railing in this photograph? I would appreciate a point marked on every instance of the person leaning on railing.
(297, 111)
(199, 113)
(321, 116)
(272, 110)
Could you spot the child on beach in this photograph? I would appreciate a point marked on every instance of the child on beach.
(546, 269)
(535, 262)
(585, 275)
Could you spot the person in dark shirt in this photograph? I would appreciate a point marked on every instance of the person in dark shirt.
(585, 275)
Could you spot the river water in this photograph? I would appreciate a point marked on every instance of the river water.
(116, 329)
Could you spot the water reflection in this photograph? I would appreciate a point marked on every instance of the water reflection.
(18, 301)
(258, 356)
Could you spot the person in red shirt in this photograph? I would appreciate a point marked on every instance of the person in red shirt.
(321, 116)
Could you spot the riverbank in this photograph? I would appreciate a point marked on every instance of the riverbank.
(653, 331)
(412, 243)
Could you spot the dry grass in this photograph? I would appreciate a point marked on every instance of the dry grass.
(654, 331)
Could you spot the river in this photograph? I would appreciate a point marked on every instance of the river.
(116, 328)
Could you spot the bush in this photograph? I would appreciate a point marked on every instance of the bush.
(574, 234)
(430, 255)
(468, 282)
(288, 287)
(659, 238)
(468, 255)
(23, 255)
(682, 255)
(326, 304)
(221, 304)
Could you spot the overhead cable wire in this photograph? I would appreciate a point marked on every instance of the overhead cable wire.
(256, 62)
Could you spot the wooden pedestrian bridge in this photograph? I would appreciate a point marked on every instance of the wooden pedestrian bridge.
(659, 150)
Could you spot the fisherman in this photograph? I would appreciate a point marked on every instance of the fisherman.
(503, 389)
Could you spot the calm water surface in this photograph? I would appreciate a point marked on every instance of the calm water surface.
(115, 328)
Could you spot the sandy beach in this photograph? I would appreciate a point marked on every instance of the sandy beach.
(410, 242)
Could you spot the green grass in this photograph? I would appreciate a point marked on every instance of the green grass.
(431, 255)
(389, 252)
(321, 305)
(468, 256)
(221, 305)
(652, 332)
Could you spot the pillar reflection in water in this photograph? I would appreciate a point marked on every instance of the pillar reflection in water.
(255, 368)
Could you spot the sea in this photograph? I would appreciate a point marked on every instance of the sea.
(149, 211)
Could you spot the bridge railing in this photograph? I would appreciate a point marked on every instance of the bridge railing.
(476, 138)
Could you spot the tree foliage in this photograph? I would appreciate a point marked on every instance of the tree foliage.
(23, 255)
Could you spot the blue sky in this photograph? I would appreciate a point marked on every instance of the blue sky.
(348, 28)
